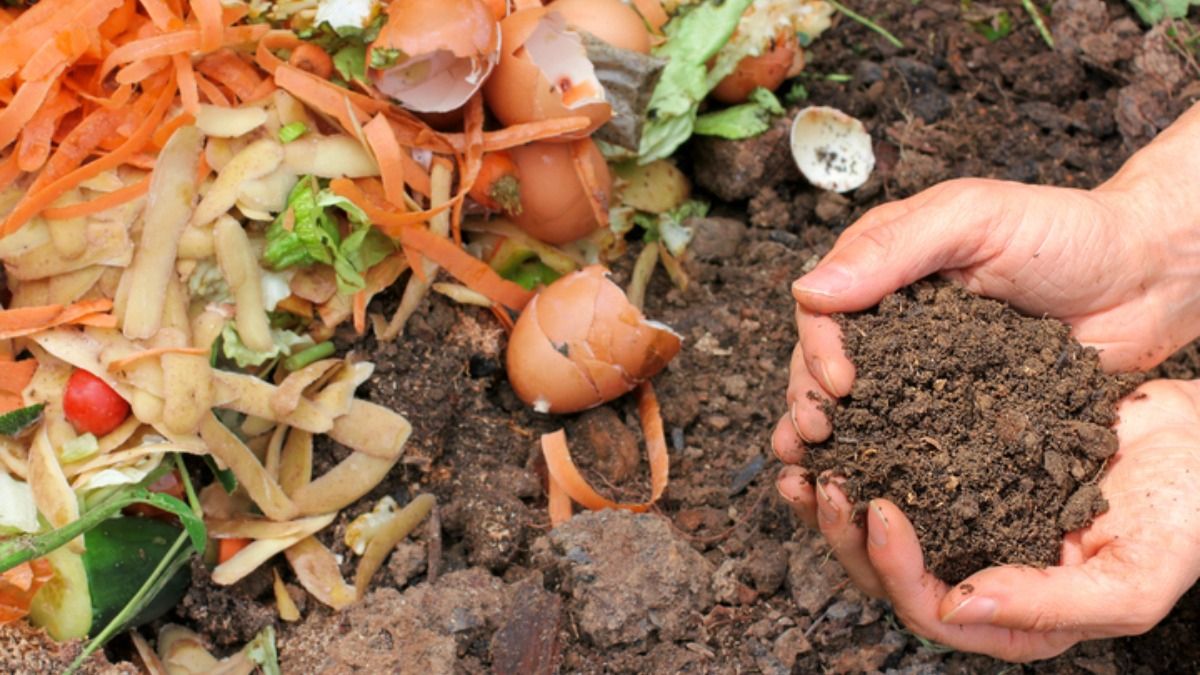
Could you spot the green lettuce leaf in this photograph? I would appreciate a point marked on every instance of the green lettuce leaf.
(347, 45)
(331, 38)
(351, 62)
(668, 227)
(285, 342)
(741, 121)
(693, 37)
(315, 237)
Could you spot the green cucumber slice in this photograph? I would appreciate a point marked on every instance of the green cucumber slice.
(63, 606)
(88, 591)
(121, 555)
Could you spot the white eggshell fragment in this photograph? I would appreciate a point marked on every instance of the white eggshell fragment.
(832, 149)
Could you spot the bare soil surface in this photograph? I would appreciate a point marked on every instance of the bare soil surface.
(718, 579)
(990, 429)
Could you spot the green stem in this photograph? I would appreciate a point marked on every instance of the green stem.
(193, 501)
(166, 569)
(311, 355)
(895, 41)
(1039, 22)
(17, 550)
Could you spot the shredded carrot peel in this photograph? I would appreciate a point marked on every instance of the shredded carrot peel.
(69, 120)
(126, 361)
(28, 320)
(565, 476)
(14, 377)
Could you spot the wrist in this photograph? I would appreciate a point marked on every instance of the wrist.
(1156, 208)
(1161, 228)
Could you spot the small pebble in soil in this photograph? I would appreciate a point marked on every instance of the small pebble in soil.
(989, 429)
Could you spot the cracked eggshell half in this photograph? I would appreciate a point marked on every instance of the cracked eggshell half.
(832, 149)
(579, 344)
(443, 51)
(544, 73)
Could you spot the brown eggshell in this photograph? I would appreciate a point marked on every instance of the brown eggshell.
(767, 70)
(579, 343)
(448, 49)
(545, 379)
(554, 206)
(465, 27)
(518, 91)
(612, 21)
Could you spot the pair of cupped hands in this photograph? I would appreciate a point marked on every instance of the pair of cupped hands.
(1117, 265)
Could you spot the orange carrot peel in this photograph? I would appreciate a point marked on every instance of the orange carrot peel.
(565, 478)
(125, 361)
(18, 586)
(14, 377)
(28, 320)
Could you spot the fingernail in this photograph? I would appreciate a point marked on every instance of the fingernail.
(877, 527)
(779, 488)
(796, 425)
(822, 372)
(826, 509)
(785, 474)
(825, 281)
(975, 609)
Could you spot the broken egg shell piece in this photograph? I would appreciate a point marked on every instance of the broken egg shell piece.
(544, 73)
(447, 50)
(832, 149)
(579, 343)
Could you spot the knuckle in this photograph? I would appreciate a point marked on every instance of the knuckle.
(880, 239)
(1044, 621)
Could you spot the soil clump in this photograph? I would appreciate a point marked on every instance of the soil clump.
(988, 428)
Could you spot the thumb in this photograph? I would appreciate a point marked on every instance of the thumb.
(881, 254)
(1103, 597)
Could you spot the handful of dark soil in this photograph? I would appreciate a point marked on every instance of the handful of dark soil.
(988, 428)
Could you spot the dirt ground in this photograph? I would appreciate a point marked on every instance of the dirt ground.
(718, 579)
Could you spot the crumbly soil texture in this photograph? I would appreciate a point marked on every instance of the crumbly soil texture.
(988, 428)
(719, 579)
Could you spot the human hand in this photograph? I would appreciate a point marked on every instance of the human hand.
(1096, 260)
(1118, 576)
